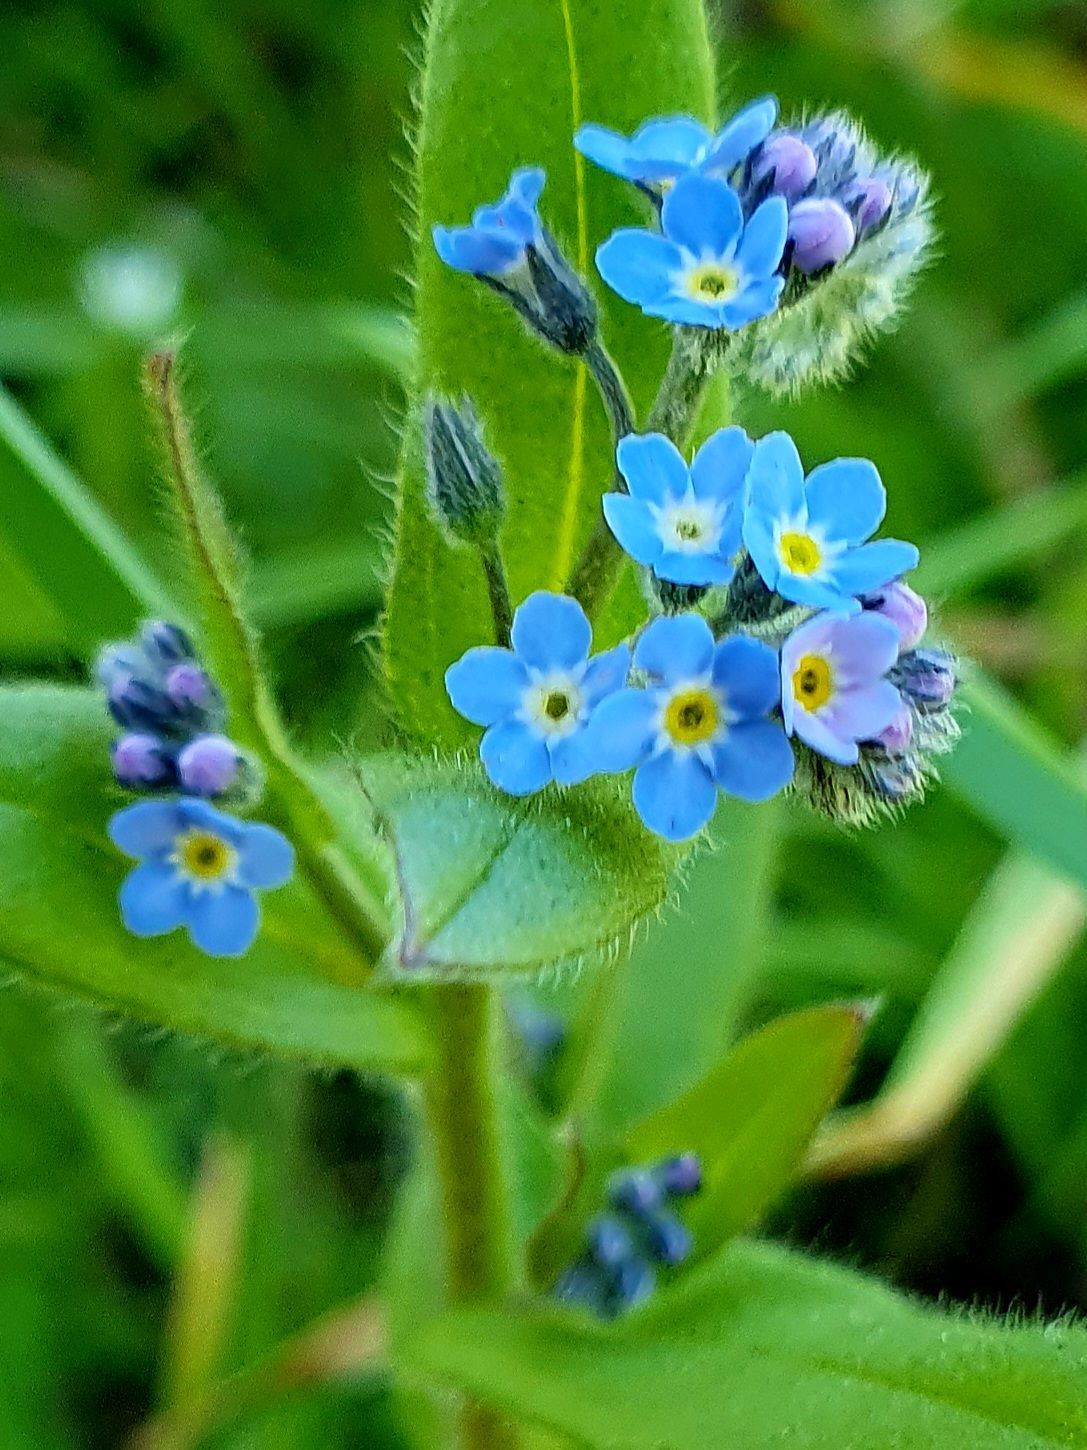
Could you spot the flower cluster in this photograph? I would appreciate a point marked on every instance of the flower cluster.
(198, 867)
(640, 1234)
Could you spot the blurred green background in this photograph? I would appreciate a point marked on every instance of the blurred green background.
(232, 173)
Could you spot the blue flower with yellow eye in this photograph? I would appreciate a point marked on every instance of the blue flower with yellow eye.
(537, 698)
(198, 869)
(834, 687)
(806, 536)
(663, 149)
(701, 724)
(709, 268)
(683, 523)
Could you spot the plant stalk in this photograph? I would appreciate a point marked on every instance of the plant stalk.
(498, 591)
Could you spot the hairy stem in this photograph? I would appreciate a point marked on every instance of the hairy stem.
(613, 389)
(463, 1115)
(498, 591)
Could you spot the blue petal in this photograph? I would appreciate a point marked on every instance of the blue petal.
(573, 757)
(526, 186)
(675, 647)
(551, 632)
(703, 214)
(679, 568)
(800, 589)
(621, 731)
(759, 541)
(663, 149)
(632, 524)
(757, 299)
(738, 137)
(847, 498)
(145, 829)
(515, 757)
(863, 648)
(652, 466)
(223, 923)
(719, 469)
(872, 565)
(776, 478)
(486, 684)
(674, 795)
(153, 899)
(747, 671)
(754, 761)
(818, 734)
(861, 713)
(603, 147)
(763, 240)
(265, 857)
(607, 672)
(684, 311)
(638, 265)
(204, 816)
(479, 251)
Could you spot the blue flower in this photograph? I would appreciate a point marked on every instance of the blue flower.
(537, 697)
(683, 523)
(833, 687)
(198, 869)
(494, 244)
(806, 537)
(700, 724)
(708, 269)
(662, 150)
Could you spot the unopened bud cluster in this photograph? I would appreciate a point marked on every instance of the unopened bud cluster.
(172, 715)
(639, 1235)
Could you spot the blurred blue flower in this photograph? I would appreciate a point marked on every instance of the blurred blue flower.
(708, 269)
(683, 523)
(199, 869)
(701, 724)
(537, 697)
(662, 150)
(494, 244)
(834, 693)
(806, 537)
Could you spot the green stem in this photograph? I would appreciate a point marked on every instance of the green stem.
(498, 591)
(613, 389)
(460, 1095)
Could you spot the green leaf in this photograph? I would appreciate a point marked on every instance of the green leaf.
(66, 543)
(491, 884)
(1013, 776)
(503, 87)
(767, 1348)
(296, 992)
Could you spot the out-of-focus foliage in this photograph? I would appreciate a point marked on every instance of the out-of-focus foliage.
(228, 173)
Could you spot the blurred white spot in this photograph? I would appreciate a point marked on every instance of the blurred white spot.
(131, 289)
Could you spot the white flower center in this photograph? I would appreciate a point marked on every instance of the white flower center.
(689, 525)
(554, 703)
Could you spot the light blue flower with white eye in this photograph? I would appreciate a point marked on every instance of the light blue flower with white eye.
(708, 269)
(683, 523)
(494, 244)
(834, 693)
(199, 869)
(701, 724)
(806, 537)
(663, 149)
(536, 698)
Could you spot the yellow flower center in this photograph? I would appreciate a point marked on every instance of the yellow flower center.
(813, 684)
(203, 856)
(711, 283)
(691, 717)
(800, 553)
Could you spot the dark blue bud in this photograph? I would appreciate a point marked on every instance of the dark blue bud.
(609, 1241)
(821, 234)
(166, 644)
(634, 1282)
(927, 676)
(137, 705)
(667, 1239)
(868, 200)
(679, 1176)
(563, 310)
(786, 163)
(635, 1191)
(141, 760)
(209, 765)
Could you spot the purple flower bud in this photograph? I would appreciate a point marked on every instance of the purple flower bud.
(141, 760)
(895, 738)
(668, 1240)
(787, 162)
(906, 610)
(869, 200)
(927, 676)
(608, 1241)
(165, 643)
(821, 233)
(208, 765)
(679, 1176)
(636, 1191)
(189, 688)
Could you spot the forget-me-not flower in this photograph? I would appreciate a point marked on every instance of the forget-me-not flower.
(833, 687)
(806, 537)
(708, 269)
(700, 724)
(536, 698)
(683, 523)
(199, 869)
(662, 150)
(494, 244)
